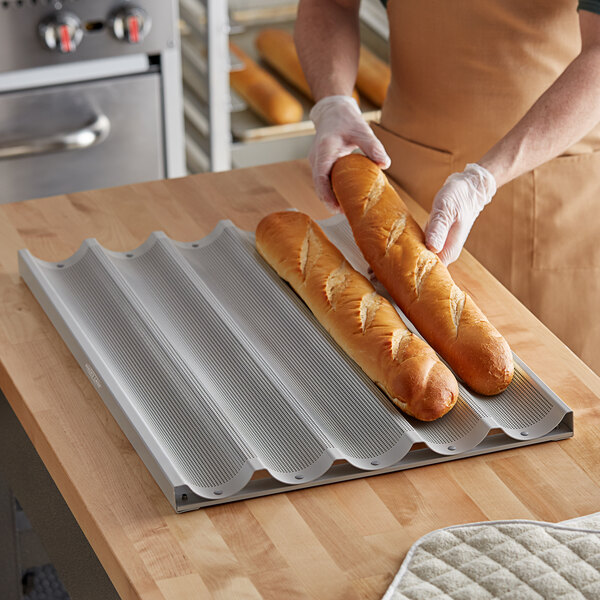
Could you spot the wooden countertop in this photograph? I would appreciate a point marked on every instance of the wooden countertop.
(345, 540)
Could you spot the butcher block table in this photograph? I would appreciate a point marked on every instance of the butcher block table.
(345, 540)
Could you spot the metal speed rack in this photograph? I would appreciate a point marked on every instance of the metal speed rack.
(221, 131)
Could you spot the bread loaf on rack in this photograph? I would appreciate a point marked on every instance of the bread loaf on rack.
(276, 47)
(263, 93)
(361, 321)
(373, 77)
(394, 245)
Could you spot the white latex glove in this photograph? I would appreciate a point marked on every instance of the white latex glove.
(455, 208)
(340, 129)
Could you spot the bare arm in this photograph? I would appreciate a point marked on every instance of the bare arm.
(564, 113)
(327, 38)
(328, 41)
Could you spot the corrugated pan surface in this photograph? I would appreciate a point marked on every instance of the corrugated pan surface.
(228, 387)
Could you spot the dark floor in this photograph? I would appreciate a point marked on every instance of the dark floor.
(43, 583)
(39, 577)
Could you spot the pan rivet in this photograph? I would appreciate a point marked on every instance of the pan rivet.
(374, 462)
(452, 448)
(194, 245)
(524, 433)
(218, 492)
(129, 255)
(60, 266)
(299, 476)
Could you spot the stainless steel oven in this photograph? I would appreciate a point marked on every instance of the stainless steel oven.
(90, 95)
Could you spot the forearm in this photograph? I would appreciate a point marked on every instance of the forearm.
(564, 114)
(328, 42)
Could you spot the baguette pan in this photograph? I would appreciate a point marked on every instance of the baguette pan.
(394, 245)
(373, 77)
(263, 93)
(361, 321)
(276, 47)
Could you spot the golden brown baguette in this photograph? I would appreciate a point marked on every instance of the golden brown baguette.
(276, 47)
(394, 245)
(361, 321)
(263, 93)
(373, 77)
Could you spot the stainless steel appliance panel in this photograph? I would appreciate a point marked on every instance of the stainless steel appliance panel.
(23, 47)
(79, 137)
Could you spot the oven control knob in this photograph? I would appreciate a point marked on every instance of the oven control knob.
(61, 32)
(130, 24)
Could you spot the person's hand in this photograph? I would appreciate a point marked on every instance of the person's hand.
(455, 208)
(340, 129)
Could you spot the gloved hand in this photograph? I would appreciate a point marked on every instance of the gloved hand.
(340, 129)
(455, 208)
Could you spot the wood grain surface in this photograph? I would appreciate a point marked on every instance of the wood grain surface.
(344, 540)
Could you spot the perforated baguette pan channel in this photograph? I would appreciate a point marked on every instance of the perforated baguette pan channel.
(228, 388)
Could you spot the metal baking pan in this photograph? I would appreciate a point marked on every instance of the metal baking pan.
(227, 386)
(247, 126)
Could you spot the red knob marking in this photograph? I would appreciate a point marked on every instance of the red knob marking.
(134, 30)
(65, 39)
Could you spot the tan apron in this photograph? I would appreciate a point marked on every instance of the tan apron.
(463, 73)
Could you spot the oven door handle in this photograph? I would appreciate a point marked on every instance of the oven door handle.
(90, 134)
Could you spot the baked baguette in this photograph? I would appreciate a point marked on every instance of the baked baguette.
(263, 93)
(276, 47)
(373, 77)
(361, 321)
(394, 245)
